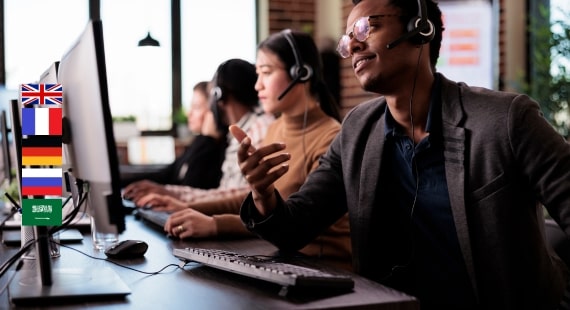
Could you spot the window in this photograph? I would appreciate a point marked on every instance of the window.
(140, 78)
(214, 31)
(35, 38)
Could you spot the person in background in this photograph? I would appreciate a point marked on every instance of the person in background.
(308, 122)
(232, 99)
(443, 182)
(200, 164)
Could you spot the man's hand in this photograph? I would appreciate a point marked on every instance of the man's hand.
(261, 168)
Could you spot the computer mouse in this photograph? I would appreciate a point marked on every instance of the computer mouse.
(127, 249)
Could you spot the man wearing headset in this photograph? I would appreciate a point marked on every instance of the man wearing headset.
(443, 182)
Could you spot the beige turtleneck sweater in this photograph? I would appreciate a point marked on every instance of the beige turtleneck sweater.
(306, 144)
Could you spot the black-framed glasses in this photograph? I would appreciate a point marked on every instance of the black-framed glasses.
(360, 31)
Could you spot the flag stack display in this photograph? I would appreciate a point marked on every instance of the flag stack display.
(41, 154)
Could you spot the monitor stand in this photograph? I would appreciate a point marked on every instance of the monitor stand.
(38, 286)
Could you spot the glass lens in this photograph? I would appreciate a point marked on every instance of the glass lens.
(361, 29)
(342, 47)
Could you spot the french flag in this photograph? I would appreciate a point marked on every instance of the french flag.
(41, 121)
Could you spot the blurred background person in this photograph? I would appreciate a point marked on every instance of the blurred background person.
(200, 163)
(232, 100)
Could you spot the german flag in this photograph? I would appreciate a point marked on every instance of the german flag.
(42, 151)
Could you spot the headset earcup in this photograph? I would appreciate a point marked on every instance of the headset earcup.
(428, 35)
(421, 37)
(302, 73)
(294, 72)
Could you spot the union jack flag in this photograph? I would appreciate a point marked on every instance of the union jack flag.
(41, 94)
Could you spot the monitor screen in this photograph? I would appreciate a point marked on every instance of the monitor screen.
(88, 129)
(6, 157)
(50, 75)
(16, 120)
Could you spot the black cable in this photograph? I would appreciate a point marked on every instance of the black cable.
(6, 265)
(416, 172)
(15, 205)
(18, 267)
(118, 264)
(9, 216)
(70, 217)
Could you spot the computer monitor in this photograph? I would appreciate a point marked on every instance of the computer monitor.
(6, 154)
(88, 128)
(88, 133)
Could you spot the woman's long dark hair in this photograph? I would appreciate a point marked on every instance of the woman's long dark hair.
(277, 43)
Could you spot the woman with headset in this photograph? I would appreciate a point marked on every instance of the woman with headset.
(290, 84)
(232, 100)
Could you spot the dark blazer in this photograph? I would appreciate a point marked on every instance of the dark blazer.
(502, 159)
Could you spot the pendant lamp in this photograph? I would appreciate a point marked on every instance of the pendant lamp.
(148, 41)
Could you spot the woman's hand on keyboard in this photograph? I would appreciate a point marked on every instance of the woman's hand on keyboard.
(137, 190)
(160, 202)
(190, 223)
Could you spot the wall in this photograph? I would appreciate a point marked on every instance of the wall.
(325, 23)
(327, 18)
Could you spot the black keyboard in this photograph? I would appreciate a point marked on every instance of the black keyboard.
(156, 217)
(265, 268)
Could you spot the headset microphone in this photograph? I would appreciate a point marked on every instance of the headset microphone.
(295, 81)
(300, 72)
(401, 39)
(420, 28)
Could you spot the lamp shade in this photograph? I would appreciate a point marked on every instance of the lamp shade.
(148, 41)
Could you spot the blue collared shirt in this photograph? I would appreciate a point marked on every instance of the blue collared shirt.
(435, 272)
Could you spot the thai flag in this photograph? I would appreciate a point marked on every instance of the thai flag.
(41, 122)
(42, 181)
(41, 94)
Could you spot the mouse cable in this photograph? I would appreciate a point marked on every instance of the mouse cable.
(15, 209)
(118, 264)
(69, 217)
(10, 261)
(18, 267)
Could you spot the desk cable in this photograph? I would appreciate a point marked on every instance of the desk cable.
(115, 263)
(8, 263)
(18, 267)
(15, 209)
(24, 248)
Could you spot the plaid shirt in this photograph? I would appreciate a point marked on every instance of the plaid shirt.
(255, 124)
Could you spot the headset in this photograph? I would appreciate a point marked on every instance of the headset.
(217, 94)
(300, 72)
(420, 28)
